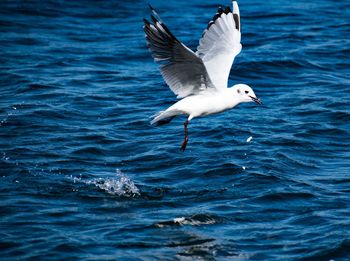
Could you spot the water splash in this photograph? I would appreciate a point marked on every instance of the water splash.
(12, 111)
(120, 186)
(195, 220)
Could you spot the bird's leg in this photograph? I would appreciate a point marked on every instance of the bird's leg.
(184, 143)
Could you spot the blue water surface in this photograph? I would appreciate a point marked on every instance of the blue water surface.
(85, 177)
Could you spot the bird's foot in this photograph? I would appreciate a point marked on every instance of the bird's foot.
(184, 144)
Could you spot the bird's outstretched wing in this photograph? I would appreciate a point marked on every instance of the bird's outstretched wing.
(220, 44)
(182, 69)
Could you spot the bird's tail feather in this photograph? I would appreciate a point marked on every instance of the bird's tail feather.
(164, 117)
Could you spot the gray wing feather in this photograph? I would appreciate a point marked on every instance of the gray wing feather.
(182, 69)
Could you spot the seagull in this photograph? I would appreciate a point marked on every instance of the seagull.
(199, 79)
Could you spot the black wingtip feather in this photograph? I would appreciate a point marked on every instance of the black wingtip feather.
(220, 10)
(146, 21)
(150, 7)
(162, 32)
(227, 10)
(236, 18)
(154, 19)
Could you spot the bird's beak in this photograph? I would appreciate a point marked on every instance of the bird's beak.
(256, 100)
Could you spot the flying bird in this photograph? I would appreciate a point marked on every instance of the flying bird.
(199, 79)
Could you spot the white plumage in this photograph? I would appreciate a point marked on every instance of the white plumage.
(200, 78)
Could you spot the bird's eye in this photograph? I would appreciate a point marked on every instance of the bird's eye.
(246, 92)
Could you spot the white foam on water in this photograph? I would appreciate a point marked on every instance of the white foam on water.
(196, 220)
(179, 220)
(120, 186)
(193, 222)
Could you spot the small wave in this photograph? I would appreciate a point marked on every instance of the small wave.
(195, 220)
(337, 251)
(120, 186)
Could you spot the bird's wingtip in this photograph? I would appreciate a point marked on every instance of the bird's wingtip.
(150, 7)
(146, 21)
(154, 19)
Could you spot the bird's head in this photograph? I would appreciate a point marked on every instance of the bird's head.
(245, 93)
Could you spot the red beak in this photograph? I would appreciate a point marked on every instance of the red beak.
(256, 100)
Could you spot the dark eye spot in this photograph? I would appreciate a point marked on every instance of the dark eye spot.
(238, 90)
(246, 92)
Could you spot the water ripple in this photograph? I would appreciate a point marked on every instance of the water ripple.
(78, 87)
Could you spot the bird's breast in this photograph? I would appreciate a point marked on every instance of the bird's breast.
(202, 105)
